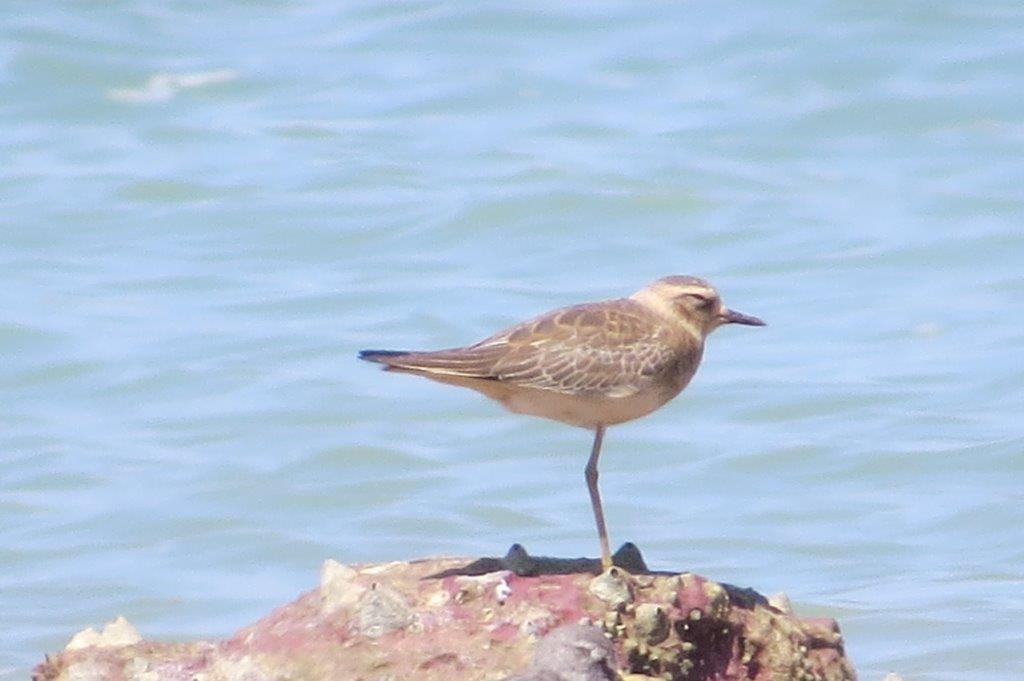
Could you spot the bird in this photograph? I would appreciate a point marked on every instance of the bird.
(591, 365)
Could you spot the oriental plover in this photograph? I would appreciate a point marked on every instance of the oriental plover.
(591, 365)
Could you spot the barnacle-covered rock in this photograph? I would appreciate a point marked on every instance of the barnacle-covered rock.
(436, 619)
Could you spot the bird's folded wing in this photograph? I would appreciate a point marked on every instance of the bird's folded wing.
(609, 349)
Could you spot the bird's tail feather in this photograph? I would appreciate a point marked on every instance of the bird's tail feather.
(453, 362)
(381, 356)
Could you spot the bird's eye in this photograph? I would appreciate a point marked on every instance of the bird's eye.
(699, 299)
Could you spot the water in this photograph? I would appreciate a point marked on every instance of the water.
(208, 209)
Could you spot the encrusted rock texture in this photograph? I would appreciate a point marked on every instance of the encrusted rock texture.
(424, 620)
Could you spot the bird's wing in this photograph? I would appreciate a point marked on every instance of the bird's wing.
(612, 348)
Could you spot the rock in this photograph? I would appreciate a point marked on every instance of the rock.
(434, 619)
(115, 633)
(612, 587)
(574, 652)
(382, 610)
(780, 601)
(651, 623)
(339, 586)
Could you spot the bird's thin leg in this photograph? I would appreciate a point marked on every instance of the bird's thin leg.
(595, 498)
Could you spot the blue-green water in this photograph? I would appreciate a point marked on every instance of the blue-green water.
(206, 209)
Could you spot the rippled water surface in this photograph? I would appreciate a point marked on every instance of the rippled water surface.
(208, 208)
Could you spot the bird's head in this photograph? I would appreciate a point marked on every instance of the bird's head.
(694, 302)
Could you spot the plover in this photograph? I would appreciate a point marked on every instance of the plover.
(591, 365)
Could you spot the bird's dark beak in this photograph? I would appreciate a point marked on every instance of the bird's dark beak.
(734, 317)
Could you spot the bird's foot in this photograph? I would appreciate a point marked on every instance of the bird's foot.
(628, 557)
(519, 561)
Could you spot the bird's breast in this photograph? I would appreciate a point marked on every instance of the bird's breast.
(585, 410)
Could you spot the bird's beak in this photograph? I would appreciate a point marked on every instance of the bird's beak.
(734, 317)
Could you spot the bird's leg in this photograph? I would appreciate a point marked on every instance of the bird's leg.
(595, 498)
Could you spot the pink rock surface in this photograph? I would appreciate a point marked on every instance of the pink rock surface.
(399, 621)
